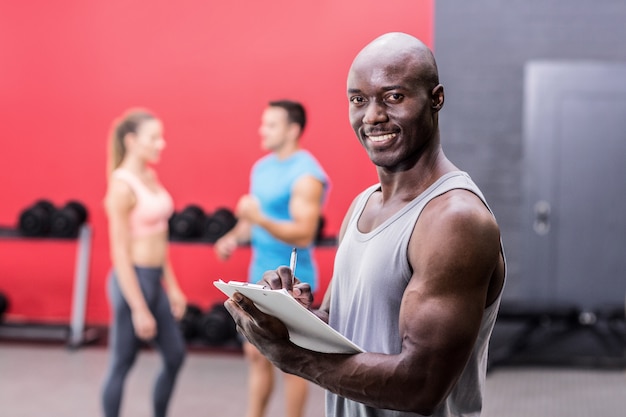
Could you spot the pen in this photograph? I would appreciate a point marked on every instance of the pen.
(292, 264)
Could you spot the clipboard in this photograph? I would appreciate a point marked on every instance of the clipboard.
(305, 328)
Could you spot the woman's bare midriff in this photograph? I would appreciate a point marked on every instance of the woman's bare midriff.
(149, 251)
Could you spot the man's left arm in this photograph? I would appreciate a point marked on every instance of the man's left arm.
(305, 209)
(453, 253)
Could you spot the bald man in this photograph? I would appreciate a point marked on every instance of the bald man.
(419, 270)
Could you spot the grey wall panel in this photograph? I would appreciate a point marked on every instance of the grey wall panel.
(482, 47)
(574, 174)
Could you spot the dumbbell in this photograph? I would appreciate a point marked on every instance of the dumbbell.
(36, 219)
(319, 234)
(190, 321)
(4, 304)
(66, 221)
(217, 326)
(188, 224)
(219, 223)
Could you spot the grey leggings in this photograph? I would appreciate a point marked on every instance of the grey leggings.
(124, 344)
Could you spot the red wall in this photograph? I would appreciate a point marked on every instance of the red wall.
(207, 69)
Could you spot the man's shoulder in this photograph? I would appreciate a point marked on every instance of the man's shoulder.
(305, 163)
(458, 208)
(263, 161)
(306, 155)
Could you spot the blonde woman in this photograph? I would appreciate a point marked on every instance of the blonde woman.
(144, 294)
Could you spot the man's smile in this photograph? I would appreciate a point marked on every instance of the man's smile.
(382, 138)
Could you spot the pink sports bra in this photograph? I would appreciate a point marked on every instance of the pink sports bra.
(152, 208)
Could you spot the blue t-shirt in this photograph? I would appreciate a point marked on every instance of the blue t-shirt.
(271, 182)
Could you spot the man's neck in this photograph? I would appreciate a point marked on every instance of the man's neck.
(286, 151)
(410, 183)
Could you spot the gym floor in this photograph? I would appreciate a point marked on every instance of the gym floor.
(52, 380)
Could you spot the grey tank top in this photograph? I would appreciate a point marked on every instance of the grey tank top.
(366, 308)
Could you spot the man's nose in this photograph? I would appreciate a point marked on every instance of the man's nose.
(375, 113)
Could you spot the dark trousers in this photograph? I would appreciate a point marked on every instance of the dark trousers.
(124, 344)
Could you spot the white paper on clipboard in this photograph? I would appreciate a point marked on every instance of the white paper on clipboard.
(305, 328)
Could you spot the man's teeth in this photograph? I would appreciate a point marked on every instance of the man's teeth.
(382, 138)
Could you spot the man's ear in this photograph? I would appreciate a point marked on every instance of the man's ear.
(294, 130)
(437, 97)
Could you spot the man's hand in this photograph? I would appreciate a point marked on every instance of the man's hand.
(248, 208)
(266, 332)
(283, 278)
(225, 246)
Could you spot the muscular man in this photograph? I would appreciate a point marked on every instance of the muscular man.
(287, 191)
(419, 270)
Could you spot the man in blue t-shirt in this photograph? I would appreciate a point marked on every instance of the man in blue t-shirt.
(288, 188)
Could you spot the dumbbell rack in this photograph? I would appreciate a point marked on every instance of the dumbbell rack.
(75, 335)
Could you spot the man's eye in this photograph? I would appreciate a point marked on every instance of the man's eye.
(356, 100)
(394, 97)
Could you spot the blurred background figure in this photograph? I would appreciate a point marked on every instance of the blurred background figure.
(283, 210)
(138, 209)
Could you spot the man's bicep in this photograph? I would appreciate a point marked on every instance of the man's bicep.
(306, 200)
(442, 322)
(452, 254)
(438, 331)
